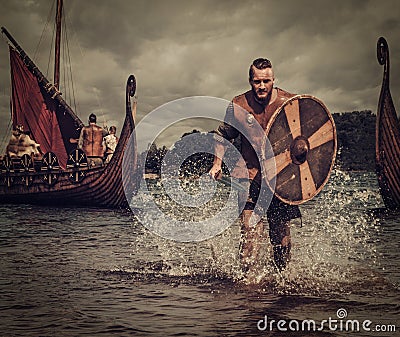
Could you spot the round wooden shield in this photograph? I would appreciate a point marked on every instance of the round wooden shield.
(6, 165)
(27, 164)
(76, 161)
(50, 167)
(303, 148)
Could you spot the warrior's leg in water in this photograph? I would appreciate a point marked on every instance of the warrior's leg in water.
(253, 237)
(279, 216)
(279, 233)
(252, 229)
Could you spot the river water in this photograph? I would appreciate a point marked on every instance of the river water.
(92, 272)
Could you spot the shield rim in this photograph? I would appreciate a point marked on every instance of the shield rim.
(267, 131)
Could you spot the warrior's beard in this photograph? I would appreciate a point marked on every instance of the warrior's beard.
(262, 100)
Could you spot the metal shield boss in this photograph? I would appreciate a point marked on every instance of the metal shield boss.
(303, 148)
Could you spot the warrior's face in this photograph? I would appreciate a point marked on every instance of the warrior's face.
(262, 83)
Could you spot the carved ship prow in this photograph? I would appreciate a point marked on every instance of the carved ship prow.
(387, 136)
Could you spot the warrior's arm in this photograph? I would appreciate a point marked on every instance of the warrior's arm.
(80, 141)
(226, 131)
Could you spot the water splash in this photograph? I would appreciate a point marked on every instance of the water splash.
(335, 252)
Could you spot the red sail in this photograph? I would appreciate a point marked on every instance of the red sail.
(35, 110)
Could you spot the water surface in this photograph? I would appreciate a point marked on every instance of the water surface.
(80, 271)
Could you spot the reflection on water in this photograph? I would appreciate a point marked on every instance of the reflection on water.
(69, 272)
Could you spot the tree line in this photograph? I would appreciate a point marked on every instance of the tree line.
(356, 147)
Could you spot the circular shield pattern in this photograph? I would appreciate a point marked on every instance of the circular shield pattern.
(6, 170)
(302, 135)
(27, 167)
(49, 167)
(77, 160)
(27, 163)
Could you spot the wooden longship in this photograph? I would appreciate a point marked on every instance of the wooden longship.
(387, 136)
(62, 176)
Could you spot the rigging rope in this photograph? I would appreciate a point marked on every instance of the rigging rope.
(7, 135)
(9, 126)
(49, 16)
(68, 22)
(100, 107)
(69, 73)
(51, 51)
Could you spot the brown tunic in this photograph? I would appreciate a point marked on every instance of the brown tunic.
(242, 113)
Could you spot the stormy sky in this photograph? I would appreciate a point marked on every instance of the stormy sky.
(189, 48)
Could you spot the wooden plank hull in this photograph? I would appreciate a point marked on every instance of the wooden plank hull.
(387, 137)
(101, 186)
(52, 185)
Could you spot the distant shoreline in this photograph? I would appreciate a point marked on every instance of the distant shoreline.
(355, 152)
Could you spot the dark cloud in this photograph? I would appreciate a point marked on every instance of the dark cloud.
(178, 49)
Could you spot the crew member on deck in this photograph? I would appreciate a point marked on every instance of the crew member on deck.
(91, 142)
(111, 143)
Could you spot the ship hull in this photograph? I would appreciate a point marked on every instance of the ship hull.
(387, 137)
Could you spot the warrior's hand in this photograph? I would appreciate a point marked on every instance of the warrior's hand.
(215, 172)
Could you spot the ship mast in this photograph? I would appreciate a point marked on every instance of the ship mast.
(57, 44)
(43, 81)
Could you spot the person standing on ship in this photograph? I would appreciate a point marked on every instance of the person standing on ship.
(110, 142)
(91, 142)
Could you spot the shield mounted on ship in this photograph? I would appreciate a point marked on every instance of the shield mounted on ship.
(303, 148)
